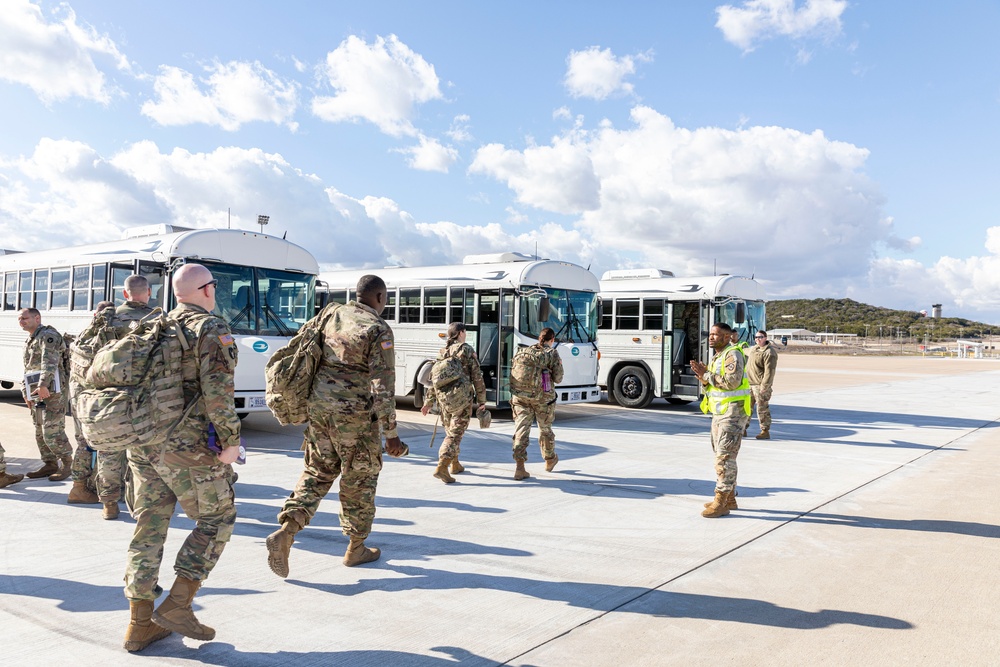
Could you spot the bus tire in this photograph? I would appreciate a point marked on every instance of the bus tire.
(7, 384)
(632, 388)
(242, 415)
(673, 400)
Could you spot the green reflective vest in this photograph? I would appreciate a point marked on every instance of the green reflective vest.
(716, 400)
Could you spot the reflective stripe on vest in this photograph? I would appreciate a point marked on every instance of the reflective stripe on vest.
(716, 400)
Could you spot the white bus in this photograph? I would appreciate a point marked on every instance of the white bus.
(653, 324)
(266, 290)
(505, 300)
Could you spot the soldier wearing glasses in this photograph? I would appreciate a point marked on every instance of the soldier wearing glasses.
(761, 364)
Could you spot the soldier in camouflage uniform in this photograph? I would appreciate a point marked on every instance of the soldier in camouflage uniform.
(456, 405)
(727, 398)
(352, 395)
(530, 402)
(43, 352)
(111, 465)
(6, 479)
(185, 470)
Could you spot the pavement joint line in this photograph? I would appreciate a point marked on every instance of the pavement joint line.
(777, 526)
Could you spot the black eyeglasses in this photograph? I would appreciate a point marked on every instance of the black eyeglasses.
(213, 283)
(760, 336)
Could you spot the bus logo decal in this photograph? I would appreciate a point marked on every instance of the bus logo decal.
(260, 346)
(575, 351)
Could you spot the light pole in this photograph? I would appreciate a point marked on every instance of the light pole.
(262, 220)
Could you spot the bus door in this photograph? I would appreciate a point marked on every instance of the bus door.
(486, 335)
(508, 342)
(155, 273)
(672, 351)
(705, 321)
(119, 272)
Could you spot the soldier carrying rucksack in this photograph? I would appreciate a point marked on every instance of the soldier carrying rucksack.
(456, 381)
(535, 372)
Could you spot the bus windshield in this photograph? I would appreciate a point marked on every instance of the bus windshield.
(262, 302)
(753, 318)
(572, 315)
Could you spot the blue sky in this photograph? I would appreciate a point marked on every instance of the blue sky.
(831, 148)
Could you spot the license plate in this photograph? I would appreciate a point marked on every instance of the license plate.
(574, 396)
(257, 402)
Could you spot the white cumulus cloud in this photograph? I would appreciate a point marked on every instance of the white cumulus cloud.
(380, 83)
(757, 20)
(430, 155)
(598, 73)
(57, 59)
(234, 93)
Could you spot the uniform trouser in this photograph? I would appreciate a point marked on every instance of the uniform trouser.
(525, 412)
(727, 436)
(760, 397)
(50, 429)
(83, 459)
(111, 468)
(3, 461)
(455, 424)
(200, 483)
(345, 445)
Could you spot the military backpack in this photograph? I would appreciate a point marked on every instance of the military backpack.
(290, 372)
(132, 395)
(451, 387)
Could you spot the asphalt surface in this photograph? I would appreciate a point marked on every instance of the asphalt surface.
(867, 534)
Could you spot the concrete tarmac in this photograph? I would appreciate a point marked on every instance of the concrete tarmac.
(866, 535)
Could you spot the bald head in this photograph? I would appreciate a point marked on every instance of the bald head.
(191, 285)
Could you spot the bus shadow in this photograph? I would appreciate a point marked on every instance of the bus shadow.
(967, 528)
(816, 415)
(219, 653)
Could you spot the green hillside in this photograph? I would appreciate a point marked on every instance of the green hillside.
(849, 316)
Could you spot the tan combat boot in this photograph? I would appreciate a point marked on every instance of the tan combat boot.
(357, 553)
(48, 468)
(456, 467)
(110, 512)
(551, 463)
(718, 506)
(279, 546)
(175, 612)
(141, 631)
(730, 501)
(441, 472)
(65, 471)
(520, 472)
(81, 495)
(765, 434)
(7, 479)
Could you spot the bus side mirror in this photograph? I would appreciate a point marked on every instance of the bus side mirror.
(741, 313)
(543, 309)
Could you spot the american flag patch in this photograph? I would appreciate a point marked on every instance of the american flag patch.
(226, 339)
(387, 345)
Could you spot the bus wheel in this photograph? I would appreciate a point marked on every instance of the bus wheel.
(242, 415)
(673, 400)
(632, 388)
(7, 385)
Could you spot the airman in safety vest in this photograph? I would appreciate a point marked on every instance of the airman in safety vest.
(727, 398)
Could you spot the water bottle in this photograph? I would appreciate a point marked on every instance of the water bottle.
(213, 444)
(546, 381)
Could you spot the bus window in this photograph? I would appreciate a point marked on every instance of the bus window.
(435, 305)
(409, 305)
(99, 283)
(607, 312)
(652, 314)
(286, 301)
(235, 300)
(42, 289)
(118, 275)
(60, 289)
(571, 314)
(81, 288)
(390, 306)
(10, 291)
(154, 274)
(626, 314)
(456, 299)
(25, 297)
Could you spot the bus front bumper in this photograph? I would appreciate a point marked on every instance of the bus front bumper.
(568, 395)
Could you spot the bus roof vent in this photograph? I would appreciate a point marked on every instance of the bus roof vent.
(497, 258)
(636, 274)
(153, 230)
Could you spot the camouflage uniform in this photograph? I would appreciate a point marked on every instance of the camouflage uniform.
(3, 462)
(83, 458)
(529, 403)
(456, 414)
(352, 395)
(185, 470)
(44, 351)
(760, 371)
(728, 424)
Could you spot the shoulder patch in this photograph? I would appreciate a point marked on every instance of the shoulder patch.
(386, 344)
(226, 339)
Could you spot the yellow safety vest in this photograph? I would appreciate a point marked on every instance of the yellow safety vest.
(716, 400)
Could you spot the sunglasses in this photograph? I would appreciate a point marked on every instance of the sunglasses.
(213, 283)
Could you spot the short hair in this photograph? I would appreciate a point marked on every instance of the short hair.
(546, 335)
(369, 285)
(102, 305)
(761, 331)
(34, 312)
(725, 327)
(136, 283)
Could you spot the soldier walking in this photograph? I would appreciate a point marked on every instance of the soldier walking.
(727, 398)
(185, 470)
(7, 479)
(351, 397)
(535, 372)
(761, 365)
(43, 354)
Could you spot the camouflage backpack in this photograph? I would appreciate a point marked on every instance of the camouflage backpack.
(85, 345)
(289, 373)
(133, 393)
(526, 371)
(451, 387)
